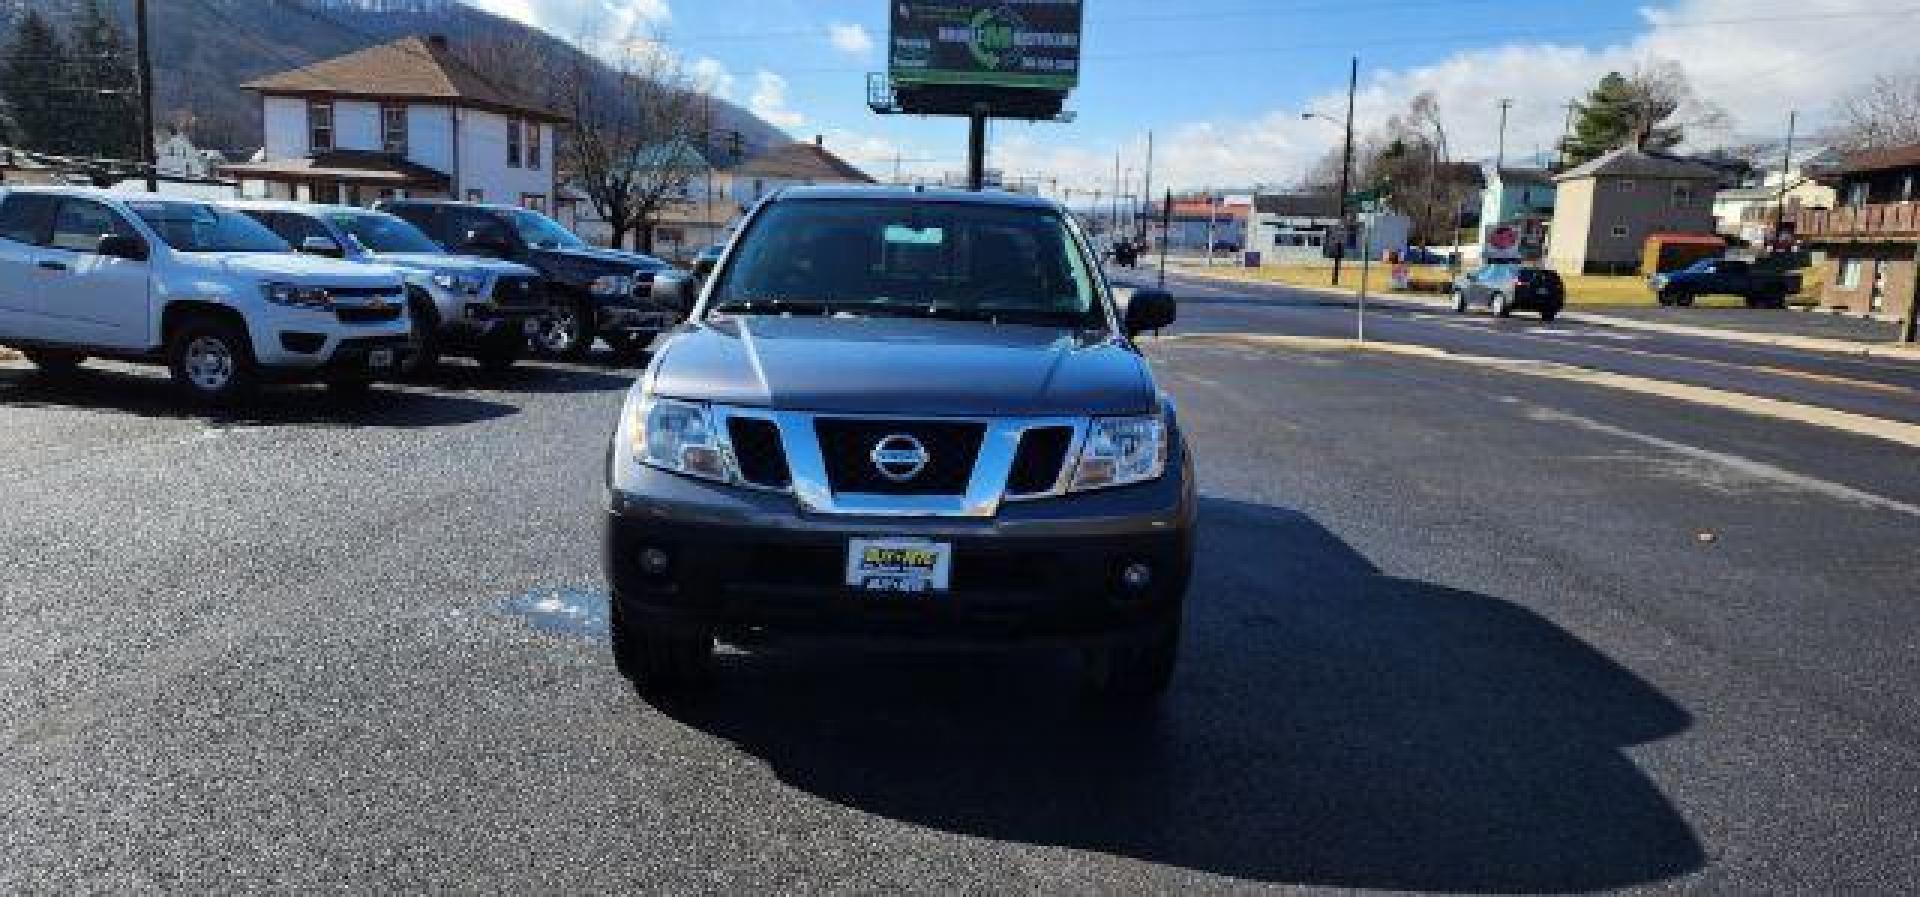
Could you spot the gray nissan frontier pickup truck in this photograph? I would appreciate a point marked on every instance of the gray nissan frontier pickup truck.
(903, 414)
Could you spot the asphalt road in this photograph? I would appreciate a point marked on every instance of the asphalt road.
(1452, 630)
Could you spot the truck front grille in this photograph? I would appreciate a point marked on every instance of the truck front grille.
(757, 449)
(847, 445)
(1037, 463)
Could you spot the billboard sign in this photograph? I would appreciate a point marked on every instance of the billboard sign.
(989, 43)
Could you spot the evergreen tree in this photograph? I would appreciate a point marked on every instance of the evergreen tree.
(34, 83)
(1621, 111)
(106, 96)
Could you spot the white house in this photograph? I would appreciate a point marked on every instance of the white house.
(408, 118)
(174, 155)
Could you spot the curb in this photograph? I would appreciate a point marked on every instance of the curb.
(1782, 340)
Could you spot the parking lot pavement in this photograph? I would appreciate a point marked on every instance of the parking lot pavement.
(1446, 634)
(1786, 322)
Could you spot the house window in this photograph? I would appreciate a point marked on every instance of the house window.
(393, 128)
(1619, 231)
(1850, 271)
(1857, 194)
(1682, 195)
(319, 126)
(513, 143)
(476, 195)
(1627, 186)
(535, 201)
(1906, 188)
(533, 146)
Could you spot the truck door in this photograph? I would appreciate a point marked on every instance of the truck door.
(92, 299)
(24, 218)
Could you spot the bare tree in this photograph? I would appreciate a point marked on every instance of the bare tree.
(1884, 112)
(635, 135)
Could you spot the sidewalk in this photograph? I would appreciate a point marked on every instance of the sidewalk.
(1785, 328)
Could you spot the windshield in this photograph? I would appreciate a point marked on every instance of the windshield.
(541, 232)
(959, 260)
(200, 227)
(380, 232)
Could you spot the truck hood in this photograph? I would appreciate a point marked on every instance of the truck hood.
(899, 366)
(606, 261)
(299, 269)
(460, 264)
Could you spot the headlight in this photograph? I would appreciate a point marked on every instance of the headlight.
(679, 436)
(612, 285)
(1121, 451)
(294, 296)
(466, 284)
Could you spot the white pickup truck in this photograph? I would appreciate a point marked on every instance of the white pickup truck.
(205, 290)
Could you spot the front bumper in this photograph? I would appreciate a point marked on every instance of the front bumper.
(1039, 571)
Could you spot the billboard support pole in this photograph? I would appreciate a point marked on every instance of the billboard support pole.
(977, 149)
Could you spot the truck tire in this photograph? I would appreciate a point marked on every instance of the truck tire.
(1500, 306)
(211, 361)
(656, 661)
(1548, 313)
(1137, 669)
(1682, 299)
(1459, 302)
(54, 362)
(566, 332)
(350, 386)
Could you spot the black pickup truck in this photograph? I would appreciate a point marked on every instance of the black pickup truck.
(623, 297)
(1761, 287)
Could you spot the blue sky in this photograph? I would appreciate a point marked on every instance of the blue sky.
(1222, 82)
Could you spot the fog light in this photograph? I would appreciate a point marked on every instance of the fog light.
(654, 561)
(1136, 576)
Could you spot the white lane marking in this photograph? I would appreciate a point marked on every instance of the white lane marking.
(1900, 432)
(1724, 470)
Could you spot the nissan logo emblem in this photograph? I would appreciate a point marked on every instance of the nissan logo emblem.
(900, 457)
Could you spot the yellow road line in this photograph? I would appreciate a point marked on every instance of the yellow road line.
(1847, 422)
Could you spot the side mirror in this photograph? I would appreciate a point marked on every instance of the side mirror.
(121, 246)
(702, 266)
(1150, 310)
(317, 245)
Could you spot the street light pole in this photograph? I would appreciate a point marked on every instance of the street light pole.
(145, 63)
(1500, 159)
(1346, 167)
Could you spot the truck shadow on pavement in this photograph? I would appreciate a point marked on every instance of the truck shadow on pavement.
(146, 395)
(1330, 725)
(532, 376)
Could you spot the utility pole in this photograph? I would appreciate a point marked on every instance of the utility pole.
(1786, 168)
(1117, 190)
(1166, 229)
(1500, 159)
(1146, 193)
(1566, 134)
(1346, 168)
(145, 62)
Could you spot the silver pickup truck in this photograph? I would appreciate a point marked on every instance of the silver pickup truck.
(903, 414)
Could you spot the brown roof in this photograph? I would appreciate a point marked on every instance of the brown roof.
(410, 68)
(353, 166)
(1880, 159)
(803, 162)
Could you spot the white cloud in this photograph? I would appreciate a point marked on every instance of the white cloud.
(712, 76)
(769, 101)
(851, 39)
(591, 22)
(1756, 63)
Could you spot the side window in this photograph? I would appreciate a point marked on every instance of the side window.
(295, 229)
(82, 222)
(460, 222)
(24, 217)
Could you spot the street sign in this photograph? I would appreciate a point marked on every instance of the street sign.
(986, 43)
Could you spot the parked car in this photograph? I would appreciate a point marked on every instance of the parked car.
(625, 298)
(903, 413)
(1761, 288)
(205, 290)
(479, 307)
(1504, 287)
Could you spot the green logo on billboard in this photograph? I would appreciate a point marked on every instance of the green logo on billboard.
(993, 37)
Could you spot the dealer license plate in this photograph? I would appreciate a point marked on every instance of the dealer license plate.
(380, 359)
(899, 565)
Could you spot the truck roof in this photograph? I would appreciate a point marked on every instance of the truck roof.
(918, 194)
